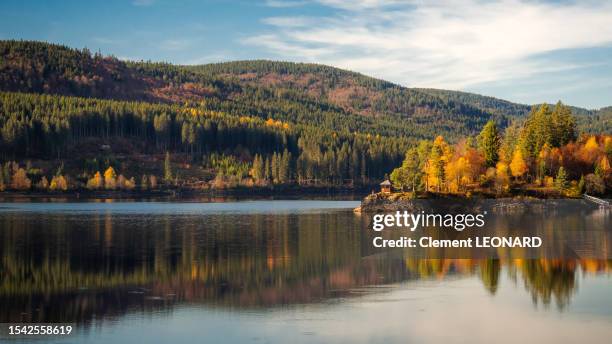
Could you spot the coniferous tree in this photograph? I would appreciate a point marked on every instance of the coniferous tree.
(489, 143)
(267, 170)
(564, 125)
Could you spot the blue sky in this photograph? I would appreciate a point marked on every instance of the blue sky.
(523, 51)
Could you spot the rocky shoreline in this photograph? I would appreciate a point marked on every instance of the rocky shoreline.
(379, 203)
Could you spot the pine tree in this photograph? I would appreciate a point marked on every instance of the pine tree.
(564, 125)
(284, 170)
(267, 170)
(489, 143)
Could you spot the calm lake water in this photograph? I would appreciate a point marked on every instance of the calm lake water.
(283, 271)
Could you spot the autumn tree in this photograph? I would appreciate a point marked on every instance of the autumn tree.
(561, 182)
(20, 180)
(518, 166)
(502, 177)
(96, 182)
(125, 184)
(543, 162)
(58, 183)
(257, 171)
(43, 184)
(110, 178)
(435, 168)
(594, 184)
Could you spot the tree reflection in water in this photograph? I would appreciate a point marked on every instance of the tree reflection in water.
(74, 267)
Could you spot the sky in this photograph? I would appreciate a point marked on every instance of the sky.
(523, 51)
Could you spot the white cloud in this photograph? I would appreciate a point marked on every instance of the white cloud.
(442, 43)
(284, 3)
(286, 22)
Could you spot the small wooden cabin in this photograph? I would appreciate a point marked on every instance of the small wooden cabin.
(385, 187)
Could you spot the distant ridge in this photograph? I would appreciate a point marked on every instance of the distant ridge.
(294, 92)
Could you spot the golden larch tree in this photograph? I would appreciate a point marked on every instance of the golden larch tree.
(518, 166)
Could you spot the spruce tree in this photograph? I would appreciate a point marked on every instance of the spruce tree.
(489, 143)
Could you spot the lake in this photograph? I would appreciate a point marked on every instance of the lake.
(289, 271)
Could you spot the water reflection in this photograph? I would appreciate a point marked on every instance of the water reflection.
(63, 266)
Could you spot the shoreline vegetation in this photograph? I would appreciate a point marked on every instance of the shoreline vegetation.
(542, 157)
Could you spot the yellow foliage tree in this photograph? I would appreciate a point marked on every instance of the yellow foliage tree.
(96, 182)
(604, 164)
(59, 183)
(130, 184)
(502, 176)
(436, 166)
(608, 144)
(458, 173)
(20, 180)
(125, 184)
(518, 166)
(110, 178)
(591, 144)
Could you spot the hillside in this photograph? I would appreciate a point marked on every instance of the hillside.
(294, 92)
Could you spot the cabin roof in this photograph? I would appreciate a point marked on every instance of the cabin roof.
(386, 183)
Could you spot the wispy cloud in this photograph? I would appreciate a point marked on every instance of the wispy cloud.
(287, 22)
(284, 3)
(442, 43)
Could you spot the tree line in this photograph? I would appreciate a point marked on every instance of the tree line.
(543, 152)
(238, 149)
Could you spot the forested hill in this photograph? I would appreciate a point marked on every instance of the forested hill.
(293, 92)
(67, 115)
